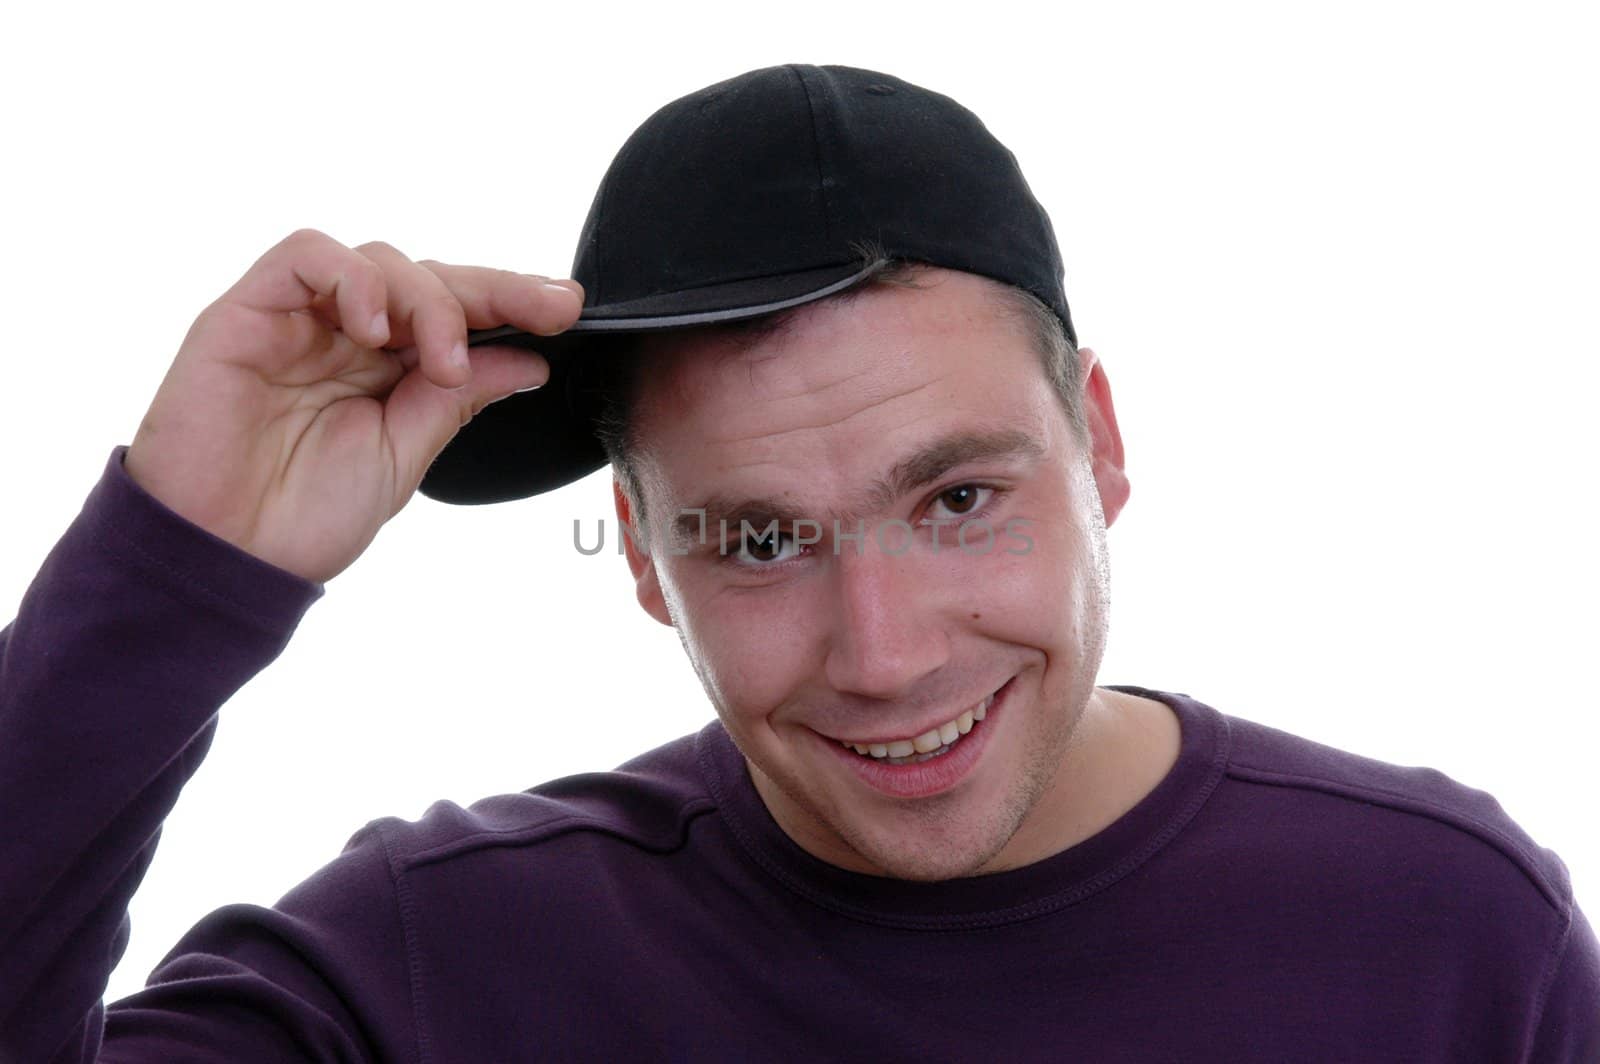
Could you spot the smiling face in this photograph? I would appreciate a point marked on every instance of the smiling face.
(903, 414)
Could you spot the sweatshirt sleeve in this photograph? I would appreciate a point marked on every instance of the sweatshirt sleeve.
(137, 628)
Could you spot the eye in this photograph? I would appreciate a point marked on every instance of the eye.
(959, 501)
(764, 548)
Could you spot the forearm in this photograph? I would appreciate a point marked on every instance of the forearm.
(138, 627)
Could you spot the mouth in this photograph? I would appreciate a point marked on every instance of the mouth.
(928, 763)
(935, 742)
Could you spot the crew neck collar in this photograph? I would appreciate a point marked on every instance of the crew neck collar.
(989, 900)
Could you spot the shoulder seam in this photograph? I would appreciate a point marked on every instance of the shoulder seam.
(534, 834)
(1408, 803)
(405, 904)
(1558, 954)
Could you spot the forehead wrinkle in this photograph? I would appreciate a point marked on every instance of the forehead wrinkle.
(754, 361)
(826, 423)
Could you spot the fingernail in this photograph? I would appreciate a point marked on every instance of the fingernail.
(564, 289)
(380, 323)
(458, 355)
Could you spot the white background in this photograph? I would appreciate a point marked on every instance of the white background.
(1339, 261)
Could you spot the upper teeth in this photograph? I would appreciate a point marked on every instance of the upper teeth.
(930, 740)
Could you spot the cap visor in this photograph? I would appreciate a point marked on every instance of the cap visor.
(533, 442)
(708, 305)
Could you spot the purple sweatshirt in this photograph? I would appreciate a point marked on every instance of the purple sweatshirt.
(1271, 900)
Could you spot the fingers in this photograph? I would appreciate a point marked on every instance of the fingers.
(424, 312)
(383, 298)
(433, 305)
(492, 297)
(307, 268)
(420, 419)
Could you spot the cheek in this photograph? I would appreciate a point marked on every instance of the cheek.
(752, 648)
(1038, 586)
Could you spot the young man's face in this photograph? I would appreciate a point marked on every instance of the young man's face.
(910, 411)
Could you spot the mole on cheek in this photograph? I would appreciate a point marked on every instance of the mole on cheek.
(977, 616)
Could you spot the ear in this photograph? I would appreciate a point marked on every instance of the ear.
(647, 585)
(1105, 438)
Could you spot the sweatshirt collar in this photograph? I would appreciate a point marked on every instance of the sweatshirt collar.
(1055, 882)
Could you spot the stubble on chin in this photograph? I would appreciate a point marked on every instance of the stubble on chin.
(943, 836)
(940, 838)
(959, 847)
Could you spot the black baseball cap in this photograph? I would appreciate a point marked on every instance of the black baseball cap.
(752, 196)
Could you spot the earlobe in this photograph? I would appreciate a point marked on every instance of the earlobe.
(646, 583)
(1105, 438)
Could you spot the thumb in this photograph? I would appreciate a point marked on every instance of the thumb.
(420, 417)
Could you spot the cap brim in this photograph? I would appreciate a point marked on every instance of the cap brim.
(536, 441)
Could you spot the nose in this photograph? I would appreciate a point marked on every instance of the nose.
(887, 636)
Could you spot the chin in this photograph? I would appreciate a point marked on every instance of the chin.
(947, 844)
(932, 867)
(970, 834)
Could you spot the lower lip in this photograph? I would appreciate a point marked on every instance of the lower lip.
(922, 779)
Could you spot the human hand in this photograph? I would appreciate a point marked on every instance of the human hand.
(307, 402)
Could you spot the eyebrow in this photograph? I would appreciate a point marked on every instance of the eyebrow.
(918, 469)
(927, 464)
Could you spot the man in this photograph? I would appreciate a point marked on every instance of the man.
(866, 473)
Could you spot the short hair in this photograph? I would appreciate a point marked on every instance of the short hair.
(620, 377)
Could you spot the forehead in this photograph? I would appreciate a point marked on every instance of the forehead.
(830, 397)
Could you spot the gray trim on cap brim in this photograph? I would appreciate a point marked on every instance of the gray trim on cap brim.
(676, 321)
